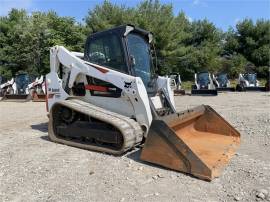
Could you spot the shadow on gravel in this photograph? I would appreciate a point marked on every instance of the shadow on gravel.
(46, 138)
(135, 156)
(43, 127)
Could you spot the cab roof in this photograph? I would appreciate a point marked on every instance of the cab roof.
(124, 30)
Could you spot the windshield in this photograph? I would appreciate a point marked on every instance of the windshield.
(203, 78)
(107, 51)
(251, 78)
(172, 76)
(140, 52)
(1, 80)
(22, 80)
(222, 79)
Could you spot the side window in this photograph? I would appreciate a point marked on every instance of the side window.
(139, 50)
(107, 51)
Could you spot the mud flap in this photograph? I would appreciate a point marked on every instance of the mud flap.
(204, 92)
(198, 142)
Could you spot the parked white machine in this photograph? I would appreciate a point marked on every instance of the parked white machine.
(7, 87)
(204, 84)
(222, 82)
(2, 81)
(111, 101)
(267, 84)
(176, 84)
(18, 89)
(249, 82)
(37, 89)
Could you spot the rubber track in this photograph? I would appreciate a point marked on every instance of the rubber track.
(130, 129)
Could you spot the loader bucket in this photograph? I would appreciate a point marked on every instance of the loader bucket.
(204, 92)
(38, 97)
(226, 89)
(257, 88)
(179, 92)
(198, 141)
(16, 97)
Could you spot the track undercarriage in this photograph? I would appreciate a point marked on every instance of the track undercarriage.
(80, 124)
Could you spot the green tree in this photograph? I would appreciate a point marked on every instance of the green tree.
(182, 46)
(26, 40)
(203, 48)
(251, 41)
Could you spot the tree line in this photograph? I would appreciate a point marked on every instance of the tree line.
(181, 45)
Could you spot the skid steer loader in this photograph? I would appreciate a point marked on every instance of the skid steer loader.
(7, 88)
(267, 84)
(249, 82)
(18, 88)
(222, 82)
(2, 82)
(203, 84)
(111, 101)
(176, 84)
(37, 89)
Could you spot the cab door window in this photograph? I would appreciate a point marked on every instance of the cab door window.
(140, 53)
(107, 51)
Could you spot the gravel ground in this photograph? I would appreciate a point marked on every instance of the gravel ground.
(34, 169)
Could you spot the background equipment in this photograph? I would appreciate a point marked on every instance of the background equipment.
(37, 89)
(267, 84)
(203, 84)
(222, 82)
(7, 88)
(2, 81)
(17, 89)
(112, 100)
(176, 84)
(249, 82)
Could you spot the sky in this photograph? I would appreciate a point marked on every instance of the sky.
(223, 13)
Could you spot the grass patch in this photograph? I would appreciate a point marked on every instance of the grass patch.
(186, 85)
(262, 82)
(234, 82)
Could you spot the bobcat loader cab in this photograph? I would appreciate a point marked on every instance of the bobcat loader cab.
(111, 100)
(19, 88)
(249, 82)
(203, 84)
(2, 82)
(222, 82)
(37, 89)
(7, 88)
(176, 83)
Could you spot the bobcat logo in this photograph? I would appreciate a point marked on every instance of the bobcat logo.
(127, 84)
